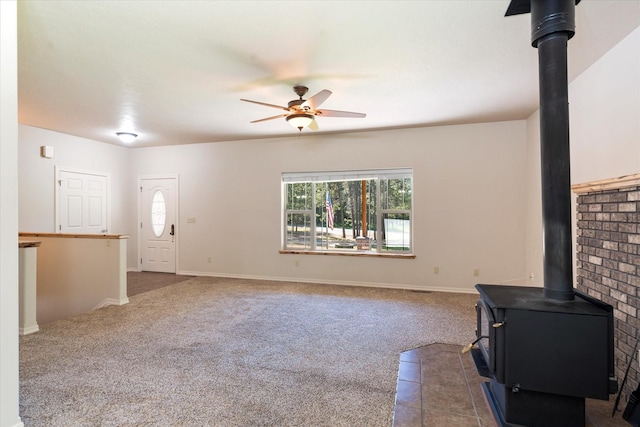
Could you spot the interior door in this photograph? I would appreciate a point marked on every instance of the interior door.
(83, 202)
(158, 226)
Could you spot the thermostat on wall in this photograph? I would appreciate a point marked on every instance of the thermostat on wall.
(46, 151)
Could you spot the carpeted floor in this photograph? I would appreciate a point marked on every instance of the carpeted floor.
(230, 352)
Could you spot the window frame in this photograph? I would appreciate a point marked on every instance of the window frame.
(342, 176)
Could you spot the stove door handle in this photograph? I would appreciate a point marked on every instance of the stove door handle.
(467, 348)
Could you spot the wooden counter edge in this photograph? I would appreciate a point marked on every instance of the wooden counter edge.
(75, 236)
(28, 244)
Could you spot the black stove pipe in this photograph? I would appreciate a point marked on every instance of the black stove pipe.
(552, 25)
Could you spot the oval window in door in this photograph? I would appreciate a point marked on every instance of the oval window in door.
(158, 213)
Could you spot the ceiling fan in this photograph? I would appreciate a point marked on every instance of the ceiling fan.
(301, 113)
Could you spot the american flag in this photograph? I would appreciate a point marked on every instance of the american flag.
(329, 211)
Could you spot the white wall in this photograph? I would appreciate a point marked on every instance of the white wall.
(8, 216)
(605, 115)
(37, 176)
(468, 204)
(604, 109)
(77, 275)
(534, 238)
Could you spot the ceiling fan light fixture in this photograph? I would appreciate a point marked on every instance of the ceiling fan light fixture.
(300, 121)
(126, 137)
(301, 113)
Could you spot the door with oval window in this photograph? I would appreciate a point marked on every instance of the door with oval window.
(158, 227)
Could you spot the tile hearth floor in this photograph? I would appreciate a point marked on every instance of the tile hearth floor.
(438, 386)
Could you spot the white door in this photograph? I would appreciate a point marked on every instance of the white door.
(158, 226)
(82, 199)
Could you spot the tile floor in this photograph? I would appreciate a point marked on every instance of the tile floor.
(438, 386)
(143, 281)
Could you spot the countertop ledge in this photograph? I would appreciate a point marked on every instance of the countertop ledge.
(28, 244)
(74, 236)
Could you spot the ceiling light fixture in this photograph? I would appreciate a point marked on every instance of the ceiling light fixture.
(126, 137)
(300, 120)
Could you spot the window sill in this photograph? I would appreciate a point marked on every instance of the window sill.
(345, 253)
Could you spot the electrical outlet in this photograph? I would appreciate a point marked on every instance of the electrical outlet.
(297, 264)
(436, 270)
(209, 260)
(476, 271)
(531, 276)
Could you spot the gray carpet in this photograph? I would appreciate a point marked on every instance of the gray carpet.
(230, 352)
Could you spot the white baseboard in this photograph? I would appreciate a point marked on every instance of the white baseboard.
(29, 330)
(111, 301)
(332, 282)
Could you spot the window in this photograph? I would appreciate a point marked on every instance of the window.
(158, 213)
(350, 211)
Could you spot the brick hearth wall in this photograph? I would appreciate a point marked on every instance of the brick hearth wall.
(609, 267)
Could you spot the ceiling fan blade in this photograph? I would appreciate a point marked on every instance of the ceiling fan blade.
(279, 116)
(313, 125)
(266, 105)
(336, 113)
(317, 99)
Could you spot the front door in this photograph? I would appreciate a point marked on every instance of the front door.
(158, 226)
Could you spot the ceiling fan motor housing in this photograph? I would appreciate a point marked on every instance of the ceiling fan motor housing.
(300, 90)
(296, 102)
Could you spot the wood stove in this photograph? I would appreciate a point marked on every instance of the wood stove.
(543, 356)
(546, 349)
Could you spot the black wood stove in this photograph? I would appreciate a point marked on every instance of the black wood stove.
(543, 356)
(546, 349)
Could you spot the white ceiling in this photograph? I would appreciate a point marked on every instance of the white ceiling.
(174, 71)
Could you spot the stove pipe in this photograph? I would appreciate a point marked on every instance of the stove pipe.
(552, 25)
